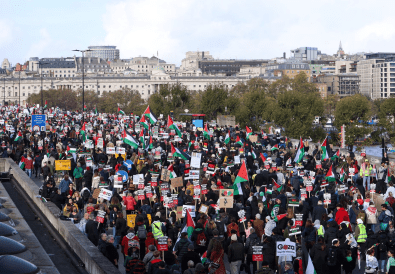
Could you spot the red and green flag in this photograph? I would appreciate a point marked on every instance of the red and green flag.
(242, 176)
(324, 148)
(330, 176)
(83, 132)
(190, 225)
(274, 147)
(143, 122)
(227, 138)
(85, 108)
(177, 153)
(120, 111)
(46, 104)
(18, 136)
(96, 112)
(206, 134)
(171, 125)
(249, 132)
(337, 155)
(263, 157)
(129, 140)
(300, 153)
(388, 175)
(150, 116)
(141, 137)
(238, 141)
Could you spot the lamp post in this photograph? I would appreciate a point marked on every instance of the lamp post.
(19, 88)
(4, 90)
(41, 87)
(83, 83)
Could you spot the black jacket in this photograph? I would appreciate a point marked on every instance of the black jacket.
(236, 252)
(318, 211)
(93, 233)
(189, 256)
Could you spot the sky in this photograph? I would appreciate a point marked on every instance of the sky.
(227, 29)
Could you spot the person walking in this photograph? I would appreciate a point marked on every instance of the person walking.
(235, 255)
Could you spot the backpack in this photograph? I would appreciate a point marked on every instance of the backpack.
(332, 257)
(361, 215)
(201, 239)
(141, 232)
(220, 227)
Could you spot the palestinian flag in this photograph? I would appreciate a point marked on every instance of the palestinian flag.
(120, 111)
(171, 125)
(177, 153)
(268, 191)
(149, 115)
(71, 150)
(128, 139)
(150, 144)
(96, 112)
(190, 225)
(141, 137)
(22, 163)
(388, 175)
(279, 187)
(324, 148)
(204, 257)
(144, 122)
(227, 138)
(46, 104)
(300, 152)
(343, 175)
(172, 173)
(253, 153)
(274, 147)
(337, 155)
(191, 144)
(330, 176)
(249, 132)
(263, 157)
(85, 108)
(280, 216)
(238, 141)
(242, 176)
(206, 134)
(18, 136)
(83, 132)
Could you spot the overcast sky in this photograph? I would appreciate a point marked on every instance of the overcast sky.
(228, 29)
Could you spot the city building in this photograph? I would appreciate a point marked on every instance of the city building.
(340, 84)
(5, 64)
(288, 69)
(346, 66)
(305, 53)
(104, 52)
(53, 67)
(141, 65)
(377, 73)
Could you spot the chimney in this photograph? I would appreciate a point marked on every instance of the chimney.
(284, 55)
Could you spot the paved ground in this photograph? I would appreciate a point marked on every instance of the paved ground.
(55, 252)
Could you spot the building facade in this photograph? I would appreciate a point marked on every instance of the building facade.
(103, 52)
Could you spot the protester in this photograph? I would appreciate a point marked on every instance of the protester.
(264, 184)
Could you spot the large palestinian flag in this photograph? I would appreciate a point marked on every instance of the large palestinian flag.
(330, 176)
(248, 132)
(177, 153)
(324, 148)
(150, 116)
(206, 134)
(128, 139)
(242, 176)
(171, 125)
(300, 152)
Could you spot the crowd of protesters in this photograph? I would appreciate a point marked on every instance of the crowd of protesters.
(352, 230)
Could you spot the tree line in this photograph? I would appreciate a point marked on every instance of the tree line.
(291, 104)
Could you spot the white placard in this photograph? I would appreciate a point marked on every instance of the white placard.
(286, 248)
(138, 179)
(110, 150)
(105, 194)
(194, 174)
(100, 142)
(237, 160)
(120, 150)
(118, 181)
(195, 159)
(190, 208)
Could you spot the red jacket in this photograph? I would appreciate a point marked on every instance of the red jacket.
(28, 163)
(129, 202)
(341, 216)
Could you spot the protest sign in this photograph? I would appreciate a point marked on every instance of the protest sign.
(105, 194)
(257, 255)
(131, 220)
(286, 248)
(194, 174)
(100, 216)
(165, 175)
(162, 244)
(226, 198)
(62, 165)
(177, 182)
(190, 208)
(195, 159)
(110, 150)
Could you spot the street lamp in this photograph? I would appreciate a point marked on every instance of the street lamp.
(83, 83)
(19, 88)
(41, 87)
(4, 91)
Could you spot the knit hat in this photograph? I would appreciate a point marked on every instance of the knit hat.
(359, 221)
(234, 237)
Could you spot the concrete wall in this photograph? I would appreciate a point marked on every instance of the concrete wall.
(94, 260)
